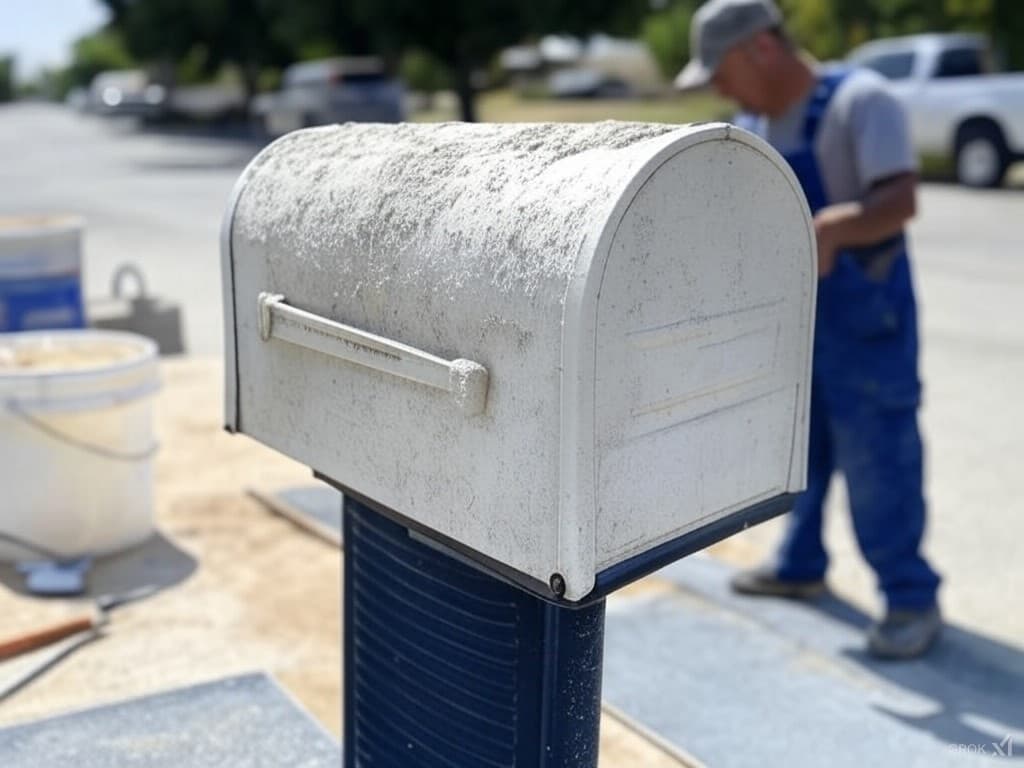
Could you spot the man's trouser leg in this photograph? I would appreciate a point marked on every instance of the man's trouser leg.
(879, 451)
(802, 555)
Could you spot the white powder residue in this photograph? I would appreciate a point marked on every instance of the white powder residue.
(444, 205)
(460, 240)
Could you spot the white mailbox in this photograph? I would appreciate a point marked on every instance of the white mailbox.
(557, 348)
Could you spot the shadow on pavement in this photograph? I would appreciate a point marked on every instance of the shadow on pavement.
(1013, 183)
(234, 161)
(972, 685)
(702, 664)
(157, 562)
(224, 130)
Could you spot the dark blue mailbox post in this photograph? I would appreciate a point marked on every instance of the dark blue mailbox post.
(449, 665)
(446, 665)
(541, 361)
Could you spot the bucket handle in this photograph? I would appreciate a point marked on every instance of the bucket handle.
(128, 271)
(16, 410)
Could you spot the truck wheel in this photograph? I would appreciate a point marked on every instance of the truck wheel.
(981, 155)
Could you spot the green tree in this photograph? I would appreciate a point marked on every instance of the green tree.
(817, 25)
(667, 35)
(830, 28)
(1006, 26)
(464, 35)
(99, 52)
(207, 34)
(6, 78)
(423, 72)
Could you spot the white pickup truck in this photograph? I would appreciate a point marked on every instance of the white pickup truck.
(958, 107)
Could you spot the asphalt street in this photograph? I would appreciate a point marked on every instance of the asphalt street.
(149, 199)
(157, 199)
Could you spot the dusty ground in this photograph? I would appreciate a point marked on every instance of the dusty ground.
(260, 596)
(245, 590)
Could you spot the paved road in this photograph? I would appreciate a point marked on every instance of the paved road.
(151, 199)
(157, 200)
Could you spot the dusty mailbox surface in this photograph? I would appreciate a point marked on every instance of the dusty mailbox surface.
(558, 346)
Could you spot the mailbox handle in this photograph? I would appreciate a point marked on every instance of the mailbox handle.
(465, 380)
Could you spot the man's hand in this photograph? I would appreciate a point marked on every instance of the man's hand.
(828, 228)
(881, 214)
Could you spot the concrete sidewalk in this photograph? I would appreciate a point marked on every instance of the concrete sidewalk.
(738, 681)
(969, 267)
(239, 721)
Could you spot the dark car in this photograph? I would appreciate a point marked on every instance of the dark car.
(126, 92)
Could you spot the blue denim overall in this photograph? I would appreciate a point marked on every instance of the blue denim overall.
(864, 397)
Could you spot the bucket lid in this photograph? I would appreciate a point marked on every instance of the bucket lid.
(69, 370)
(17, 227)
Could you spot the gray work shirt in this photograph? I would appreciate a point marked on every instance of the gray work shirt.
(863, 136)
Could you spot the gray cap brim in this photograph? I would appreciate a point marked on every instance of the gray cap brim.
(693, 76)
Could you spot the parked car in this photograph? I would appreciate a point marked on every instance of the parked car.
(570, 68)
(207, 101)
(582, 82)
(127, 92)
(958, 106)
(330, 91)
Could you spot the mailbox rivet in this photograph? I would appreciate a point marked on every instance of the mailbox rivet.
(557, 584)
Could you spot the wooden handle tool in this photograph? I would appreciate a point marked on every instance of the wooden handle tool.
(38, 638)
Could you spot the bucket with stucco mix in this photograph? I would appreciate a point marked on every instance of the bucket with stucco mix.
(76, 442)
(40, 273)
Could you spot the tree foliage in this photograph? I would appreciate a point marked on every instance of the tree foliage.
(91, 54)
(207, 34)
(667, 35)
(830, 28)
(440, 42)
(464, 35)
(97, 53)
(423, 72)
(6, 78)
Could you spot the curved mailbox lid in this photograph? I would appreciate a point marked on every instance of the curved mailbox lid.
(654, 545)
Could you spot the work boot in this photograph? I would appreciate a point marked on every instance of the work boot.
(904, 634)
(764, 581)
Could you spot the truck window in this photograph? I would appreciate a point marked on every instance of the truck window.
(892, 66)
(895, 66)
(960, 62)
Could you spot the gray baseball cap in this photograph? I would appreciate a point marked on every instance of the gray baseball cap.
(717, 26)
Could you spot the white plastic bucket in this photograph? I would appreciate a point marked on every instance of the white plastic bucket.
(76, 442)
(41, 272)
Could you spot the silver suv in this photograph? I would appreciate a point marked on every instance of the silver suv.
(330, 91)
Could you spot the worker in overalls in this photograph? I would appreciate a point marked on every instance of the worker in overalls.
(846, 139)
